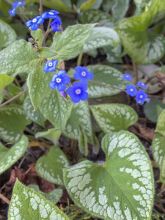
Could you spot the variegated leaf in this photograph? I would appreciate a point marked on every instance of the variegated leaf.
(9, 156)
(79, 121)
(120, 188)
(50, 103)
(7, 34)
(31, 113)
(101, 37)
(114, 117)
(107, 81)
(70, 43)
(158, 148)
(160, 127)
(50, 166)
(51, 134)
(17, 58)
(27, 204)
(10, 129)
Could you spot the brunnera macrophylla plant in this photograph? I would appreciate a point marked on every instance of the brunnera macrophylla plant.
(122, 186)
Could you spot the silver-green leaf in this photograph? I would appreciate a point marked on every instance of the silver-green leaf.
(114, 117)
(69, 44)
(7, 35)
(9, 156)
(120, 188)
(158, 148)
(27, 204)
(50, 166)
(107, 81)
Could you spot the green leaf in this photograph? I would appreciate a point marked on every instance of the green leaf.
(27, 204)
(143, 43)
(119, 8)
(50, 166)
(10, 129)
(120, 188)
(51, 134)
(107, 81)
(7, 35)
(69, 43)
(50, 103)
(9, 156)
(158, 149)
(160, 127)
(114, 117)
(141, 5)
(61, 5)
(101, 37)
(87, 5)
(53, 196)
(17, 58)
(31, 113)
(153, 109)
(79, 121)
(5, 80)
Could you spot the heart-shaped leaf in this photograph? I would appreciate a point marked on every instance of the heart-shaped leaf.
(27, 204)
(158, 149)
(9, 156)
(10, 129)
(70, 43)
(50, 166)
(120, 188)
(114, 117)
(107, 81)
(17, 58)
(101, 37)
(7, 34)
(141, 41)
(50, 103)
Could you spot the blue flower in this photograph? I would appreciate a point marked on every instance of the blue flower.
(56, 24)
(50, 66)
(78, 91)
(35, 23)
(131, 90)
(12, 12)
(82, 73)
(141, 85)
(142, 97)
(127, 77)
(59, 81)
(15, 5)
(50, 14)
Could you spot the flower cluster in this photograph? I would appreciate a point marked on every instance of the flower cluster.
(39, 20)
(62, 82)
(16, 5)
(137, 91)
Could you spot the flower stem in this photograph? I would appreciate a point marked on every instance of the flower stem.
(12, 99)
(79, 59)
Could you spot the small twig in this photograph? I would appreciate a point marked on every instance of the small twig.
(135, 72)
(12, 99)
(5, 199)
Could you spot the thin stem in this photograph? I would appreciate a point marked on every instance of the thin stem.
(5, 199)
(41, 7)
(46, 33)
(12, 99)
(79, 59)
(135, 72)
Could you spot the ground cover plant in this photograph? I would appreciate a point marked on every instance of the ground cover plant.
(82, 109)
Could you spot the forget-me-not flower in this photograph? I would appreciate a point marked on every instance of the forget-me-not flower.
(131, 90)
(82, 73)
(50, 66)
(60, 81)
